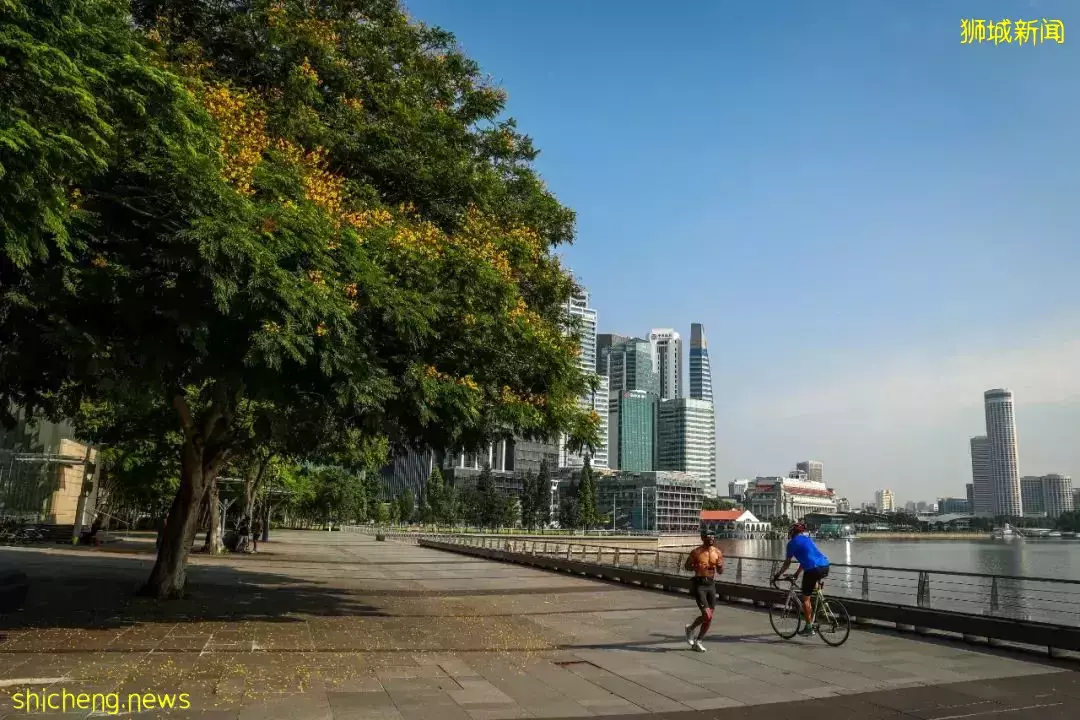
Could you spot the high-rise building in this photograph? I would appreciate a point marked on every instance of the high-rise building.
(630, 367)
(737, 488)
(813, 469)
(951, 506)
(982, 494)
(632, 429)
(686, 439)
(585, 318)
(910, 506)
(667, 359)
(1004, 456)
(604, 343)
(700, 369)
(884, 501)
(1047, 496)
(970, 488)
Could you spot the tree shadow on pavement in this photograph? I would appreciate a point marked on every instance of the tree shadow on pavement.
(98, 592)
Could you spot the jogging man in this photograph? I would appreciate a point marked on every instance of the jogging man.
(812, 564)
(705, 561)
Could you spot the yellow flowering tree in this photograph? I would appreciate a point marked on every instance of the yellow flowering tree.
(313, 233)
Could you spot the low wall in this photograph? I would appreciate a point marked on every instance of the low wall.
(969, 626)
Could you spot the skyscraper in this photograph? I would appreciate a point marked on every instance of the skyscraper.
(885, 501)
(1046, 496)
(1004, 456)
(585, 316)
(604, 343)
(667, 359)
(630, 367)
(686, 439)
(700, 370)
(634, 389)
(814, 469)
(982, 495)
(632, 429)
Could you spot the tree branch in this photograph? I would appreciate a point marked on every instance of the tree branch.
(187, 423)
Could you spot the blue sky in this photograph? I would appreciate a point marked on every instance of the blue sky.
(873, 221)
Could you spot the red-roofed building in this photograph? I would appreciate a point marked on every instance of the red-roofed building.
(733, 523)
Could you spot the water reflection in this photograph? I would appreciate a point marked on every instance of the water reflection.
(1049, 558)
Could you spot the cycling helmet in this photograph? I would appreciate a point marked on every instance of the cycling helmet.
(797, 529)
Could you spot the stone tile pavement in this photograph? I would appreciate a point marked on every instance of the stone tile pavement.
(322, 626)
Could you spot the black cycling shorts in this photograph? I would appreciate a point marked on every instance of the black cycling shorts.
(811, 578)
(704, 591)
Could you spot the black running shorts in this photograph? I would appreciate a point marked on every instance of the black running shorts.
(704, 591)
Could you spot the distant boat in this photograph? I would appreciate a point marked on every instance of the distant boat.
(1053, 534)
(835, 532)
(1003, 533)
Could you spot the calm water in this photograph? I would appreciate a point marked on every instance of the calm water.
(1048, 558)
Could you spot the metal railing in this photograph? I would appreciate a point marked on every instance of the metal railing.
(1048, 600)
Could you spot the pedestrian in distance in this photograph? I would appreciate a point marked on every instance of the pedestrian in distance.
(706, 562)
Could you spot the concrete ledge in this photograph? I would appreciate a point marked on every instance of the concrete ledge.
(1045, 635)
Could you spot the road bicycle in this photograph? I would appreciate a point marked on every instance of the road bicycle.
(831, 620)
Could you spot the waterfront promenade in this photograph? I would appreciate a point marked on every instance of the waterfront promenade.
(335, 625)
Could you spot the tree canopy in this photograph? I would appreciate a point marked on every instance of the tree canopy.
(291, 223)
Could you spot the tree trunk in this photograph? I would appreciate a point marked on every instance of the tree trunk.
(216, 543)
(169, 576)
(203, 454)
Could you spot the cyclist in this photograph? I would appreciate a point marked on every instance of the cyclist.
(705, 561)
(812, 564)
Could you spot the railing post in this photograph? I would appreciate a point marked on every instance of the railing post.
(635, 557)
(865, 584)
(658, 559)
(616, 557)
(994, 601)
(738, 571)
(923, 599)
(599, 560)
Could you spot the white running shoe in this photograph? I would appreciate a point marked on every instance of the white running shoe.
(698, 647)
(690, 635)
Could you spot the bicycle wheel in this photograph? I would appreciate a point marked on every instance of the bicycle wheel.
(786, 619)
(834, 623)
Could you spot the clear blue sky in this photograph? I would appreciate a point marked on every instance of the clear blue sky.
(855, 204)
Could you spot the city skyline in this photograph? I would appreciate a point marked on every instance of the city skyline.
(864, 274)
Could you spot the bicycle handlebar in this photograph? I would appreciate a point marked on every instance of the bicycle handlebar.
(789, 578)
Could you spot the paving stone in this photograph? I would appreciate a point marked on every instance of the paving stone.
(335, 625)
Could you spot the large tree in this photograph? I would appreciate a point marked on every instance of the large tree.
(294, 223)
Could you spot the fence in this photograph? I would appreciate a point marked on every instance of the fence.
(1046, 600)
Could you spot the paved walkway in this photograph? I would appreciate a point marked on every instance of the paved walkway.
(322, 626)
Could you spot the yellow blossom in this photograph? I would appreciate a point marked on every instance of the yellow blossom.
(309, 72)
(243, 134)
(316, 276)
(320, 329)
(99, 261)
(351, 290)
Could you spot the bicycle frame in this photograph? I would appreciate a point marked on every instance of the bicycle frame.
(818, 600)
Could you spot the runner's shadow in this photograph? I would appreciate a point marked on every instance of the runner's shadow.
(720, 637)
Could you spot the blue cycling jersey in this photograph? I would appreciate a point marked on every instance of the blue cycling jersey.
(803, 549)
